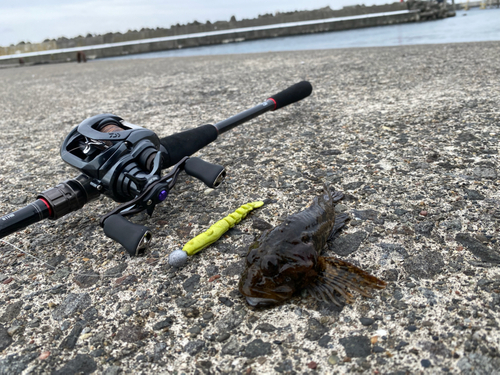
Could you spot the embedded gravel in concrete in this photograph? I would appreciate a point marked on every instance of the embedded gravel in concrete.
(410, 134)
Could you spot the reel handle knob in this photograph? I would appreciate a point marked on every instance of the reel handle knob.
(210, 174)
(134, 238)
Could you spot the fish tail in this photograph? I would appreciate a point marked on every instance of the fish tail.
(338, 277)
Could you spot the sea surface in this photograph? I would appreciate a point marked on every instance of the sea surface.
(475, 25)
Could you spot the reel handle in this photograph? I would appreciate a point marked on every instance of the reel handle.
(134, 238)
(210, 174)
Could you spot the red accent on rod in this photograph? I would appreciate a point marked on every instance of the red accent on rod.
(48, 205)
(275, 104)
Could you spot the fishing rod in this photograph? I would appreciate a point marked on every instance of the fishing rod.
(124, 162)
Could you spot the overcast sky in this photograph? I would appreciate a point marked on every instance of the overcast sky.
(36, 20)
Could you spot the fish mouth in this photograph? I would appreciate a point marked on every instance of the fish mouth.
(259, 302)
(258, 297)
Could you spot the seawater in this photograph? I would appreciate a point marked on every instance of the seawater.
(475, 25)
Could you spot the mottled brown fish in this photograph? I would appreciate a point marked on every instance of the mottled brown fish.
(287, 259)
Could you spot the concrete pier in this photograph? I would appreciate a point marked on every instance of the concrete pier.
(410, 134)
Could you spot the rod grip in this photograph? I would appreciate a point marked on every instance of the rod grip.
(292, 94)
(186, 143)
(134, 238)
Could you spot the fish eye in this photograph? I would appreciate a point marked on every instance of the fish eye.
(269, 266)
(252, 256)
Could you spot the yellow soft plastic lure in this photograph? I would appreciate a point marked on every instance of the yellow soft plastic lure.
(219, 228)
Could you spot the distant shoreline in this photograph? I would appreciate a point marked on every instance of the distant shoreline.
(384, 36)
(197, 34)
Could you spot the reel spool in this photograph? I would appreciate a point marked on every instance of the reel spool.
(116, 155)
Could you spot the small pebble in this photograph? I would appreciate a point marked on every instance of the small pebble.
(14, 330)
(208, 315)
(213, 278)
(366, 321)
(223, 337)
(312, 365)
(44, 355)
(425, 363)
(333, 359)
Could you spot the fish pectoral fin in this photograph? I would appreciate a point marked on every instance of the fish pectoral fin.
(337, 196)
(340, 221)
(338, 277)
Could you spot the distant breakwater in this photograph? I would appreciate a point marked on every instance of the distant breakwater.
(197, 34)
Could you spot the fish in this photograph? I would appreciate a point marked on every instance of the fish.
(287, 259)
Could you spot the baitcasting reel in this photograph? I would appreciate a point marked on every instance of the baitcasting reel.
(124, 162)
